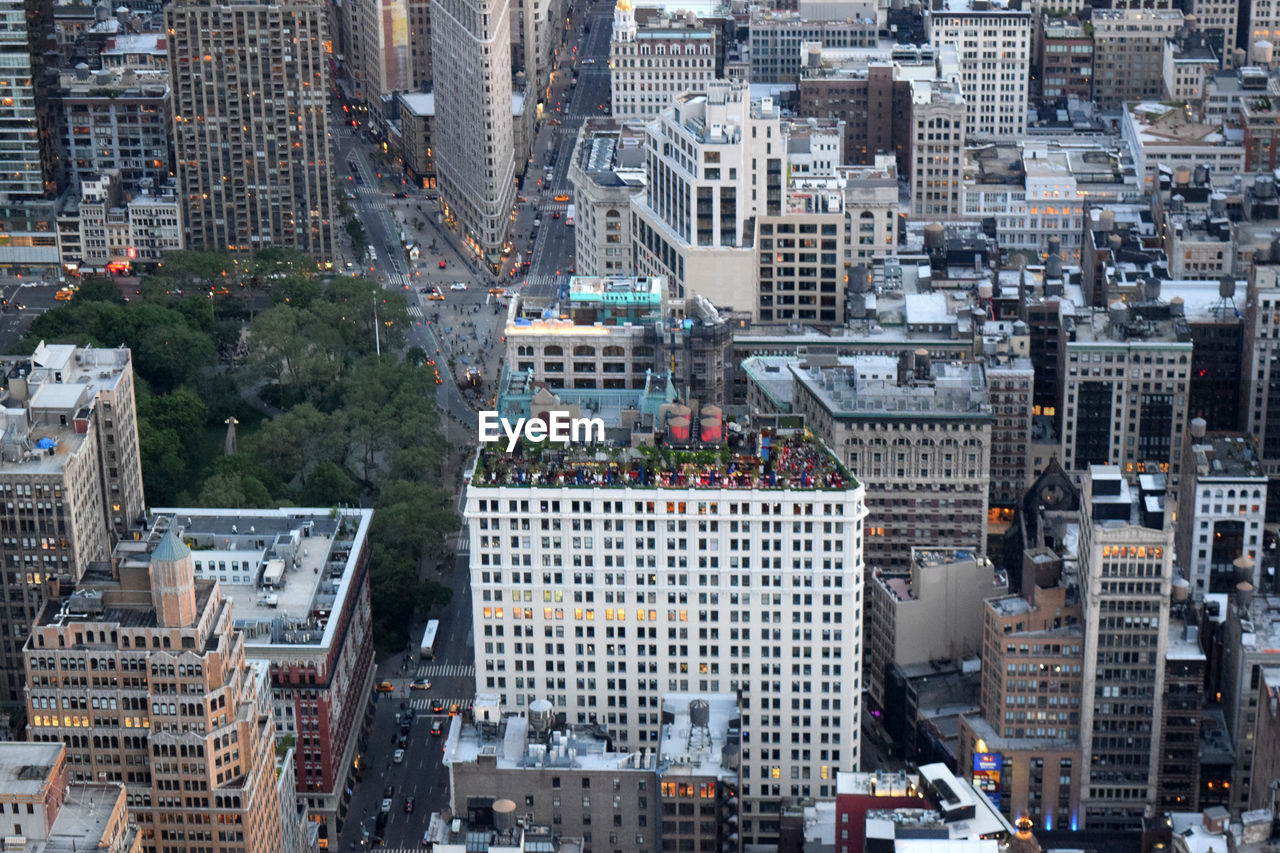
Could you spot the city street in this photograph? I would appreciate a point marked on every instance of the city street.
(421, 775)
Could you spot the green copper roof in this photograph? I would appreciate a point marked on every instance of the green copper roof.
(170, 549)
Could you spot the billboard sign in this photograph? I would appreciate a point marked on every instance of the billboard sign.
(987, 770)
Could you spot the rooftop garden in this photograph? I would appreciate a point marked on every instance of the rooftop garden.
(749, 462)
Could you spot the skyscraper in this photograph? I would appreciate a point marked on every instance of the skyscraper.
(70, 475)
(250, 95)
(172, 709)
(28, 127)
(599, 589)
(475, 161)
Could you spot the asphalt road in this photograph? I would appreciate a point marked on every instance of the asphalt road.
(421, 775)
(27, 299)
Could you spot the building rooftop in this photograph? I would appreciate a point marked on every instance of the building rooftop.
(748, 461)
(952, 7)
(1228, 457)
(85, 821)
(703, 737)
(611, 155)
(1183, 642)
(419, 103)
(25, 768)
(956, 390)
(944, 798)
(1158, 124)
(517, 743)
(284, 572)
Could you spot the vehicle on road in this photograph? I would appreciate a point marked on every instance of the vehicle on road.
(389, 791)
(498, 291)
(386, 806)
(408, 805)
(402, 195)
(569, 215)
(398, 756)
(436, 295)
(555, 215)
(458, 285)
(385, 687)
(437, 728)
(562, 198)
(443, 264)
(421, 684)
(437, 707)
(428, 647)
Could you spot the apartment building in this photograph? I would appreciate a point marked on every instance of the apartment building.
(651, 65)
(1262, 330)
(938, 130)
(904, 426)
(601, 600)
(384, 55)
(782, 43)
(114, 233)
(1182, 709)
(1066, 58)
(417, 136)
(147, 653)
(117, 118)
(715, 160)
(606, 172)
(1161, 136)
(1126, 384)
(1129, 54)
(993, 42)
(1036, 191)
(419, 12)
(28, 236)
(567, 777)
(70, 454)
(297, 583)
(1011, 385)
(1251, 632)
(1126, 572)
(699, 772)
(258, 174)
(1221, 511)
(931, 611)
(475, 147)
(1031, 724)
(1188, 66)
(46, 812)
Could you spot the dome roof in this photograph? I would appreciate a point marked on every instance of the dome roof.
(624, 6)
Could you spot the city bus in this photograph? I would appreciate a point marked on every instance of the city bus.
(428, 649)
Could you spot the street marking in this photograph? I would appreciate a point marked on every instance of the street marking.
(446, 670)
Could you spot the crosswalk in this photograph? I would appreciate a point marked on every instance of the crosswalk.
(446, 670)
(448, 704)
(548, 279)
(415, 311)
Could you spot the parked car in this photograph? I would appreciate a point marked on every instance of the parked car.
(398, 756)
(386, 806)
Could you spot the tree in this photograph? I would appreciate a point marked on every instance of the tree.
(329, 485)
(172, 354)
(233, 489)
(99, 290)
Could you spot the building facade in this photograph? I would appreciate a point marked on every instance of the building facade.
(898, 425)
(178, 706)
(651, 65)
(993, 43)
(611, 597)
(255, 170)
(475, 146)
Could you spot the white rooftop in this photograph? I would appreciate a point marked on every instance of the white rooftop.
(691, 750)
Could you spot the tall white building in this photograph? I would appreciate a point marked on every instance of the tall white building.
(715, 161)
(994, 47)
(475, 140)
(600, 589)
(1126, 570)
(648, 66)
(1222, 509)
(939, 113)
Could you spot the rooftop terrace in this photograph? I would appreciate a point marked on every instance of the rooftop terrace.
(754, 461)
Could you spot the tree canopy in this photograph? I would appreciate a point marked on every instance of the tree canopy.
(322, 420)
